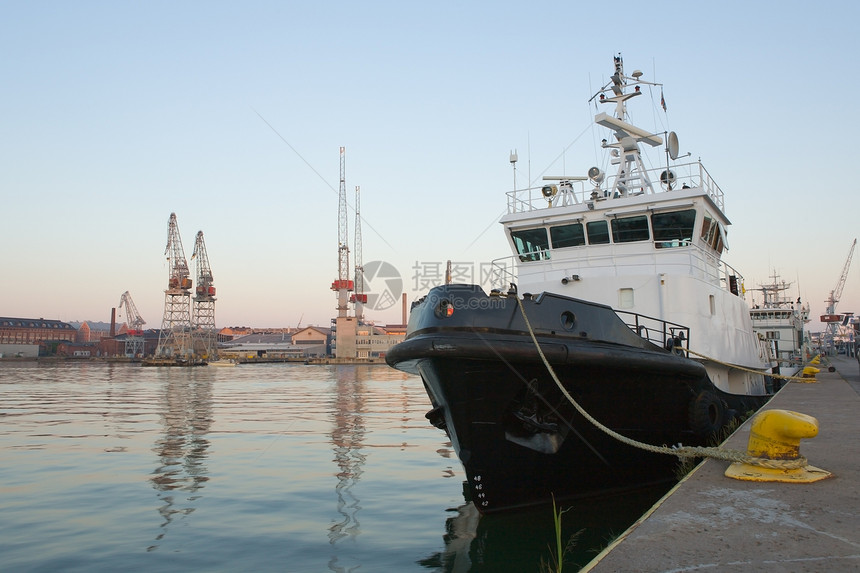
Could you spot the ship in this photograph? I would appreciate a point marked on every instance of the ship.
(616, 296)
(780, 320)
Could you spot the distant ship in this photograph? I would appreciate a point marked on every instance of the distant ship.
(622, 283)
(780, 320)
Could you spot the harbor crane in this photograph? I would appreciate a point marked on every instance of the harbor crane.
(360, 297)
(343, 285)
(174, 338)
(830, 318)
(344, 330)
(134, 343)
(205, 337)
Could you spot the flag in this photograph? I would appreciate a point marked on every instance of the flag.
(662, 100)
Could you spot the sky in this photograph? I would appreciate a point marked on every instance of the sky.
(231, 115)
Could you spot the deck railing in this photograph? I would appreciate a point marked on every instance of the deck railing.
(575, 190)
(671, 336)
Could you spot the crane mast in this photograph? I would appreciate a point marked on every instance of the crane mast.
(203, 316)
(359, 298)
(174, 338)
(343, 285)
(134, 342)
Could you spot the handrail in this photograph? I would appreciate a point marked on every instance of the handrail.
(668, 335)
(573, 191)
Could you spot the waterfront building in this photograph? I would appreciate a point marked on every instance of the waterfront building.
(34, 330)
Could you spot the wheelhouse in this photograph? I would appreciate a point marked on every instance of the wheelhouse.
(666, 228)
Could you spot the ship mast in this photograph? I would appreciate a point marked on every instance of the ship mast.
(631, 176)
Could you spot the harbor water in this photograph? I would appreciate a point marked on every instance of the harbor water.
(107, 467)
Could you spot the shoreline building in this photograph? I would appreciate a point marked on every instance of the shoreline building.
(24, 336)
(355, 339)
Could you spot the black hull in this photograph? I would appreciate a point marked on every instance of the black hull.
(519, 439)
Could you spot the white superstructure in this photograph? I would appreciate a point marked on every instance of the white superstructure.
(779, 319)
(648, 241)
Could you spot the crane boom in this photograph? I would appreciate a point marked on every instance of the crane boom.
(831, 319)
(836, 293)
(132, 317)
(179, 275)
(342, 223)
(841, 284)
(205, 280)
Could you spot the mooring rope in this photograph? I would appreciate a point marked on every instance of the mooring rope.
(736, 367)
(678, 450)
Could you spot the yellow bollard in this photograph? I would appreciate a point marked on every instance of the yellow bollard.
(776, 435)
(809, 373)
(816, 360)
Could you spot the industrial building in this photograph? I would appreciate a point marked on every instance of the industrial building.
(23, 337)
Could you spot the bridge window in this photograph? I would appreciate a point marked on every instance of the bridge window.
(713, 233)
(531, 244)
(598, 232)
(629, 229)
(673, 229)
(567, 236)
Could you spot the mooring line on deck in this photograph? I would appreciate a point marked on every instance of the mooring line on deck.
(744, 369)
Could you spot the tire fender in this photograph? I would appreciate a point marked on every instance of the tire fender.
(707, 414)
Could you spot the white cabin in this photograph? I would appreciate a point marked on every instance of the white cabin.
(647, 241)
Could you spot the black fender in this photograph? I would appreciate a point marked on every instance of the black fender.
(707, 414)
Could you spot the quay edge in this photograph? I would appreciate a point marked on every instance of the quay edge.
(709, 521)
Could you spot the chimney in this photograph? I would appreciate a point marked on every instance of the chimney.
(404, 310)
(113, 322)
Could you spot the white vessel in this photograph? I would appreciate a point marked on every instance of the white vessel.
(779, 319)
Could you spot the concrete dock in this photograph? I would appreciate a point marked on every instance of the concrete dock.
(709, 522)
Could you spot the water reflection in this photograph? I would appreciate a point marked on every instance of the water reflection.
(347, 437)
(182, 450)
(87, 449)
(521, 540)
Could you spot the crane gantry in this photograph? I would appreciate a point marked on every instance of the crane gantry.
(174, 338)
(134, 342)
(203, 317)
